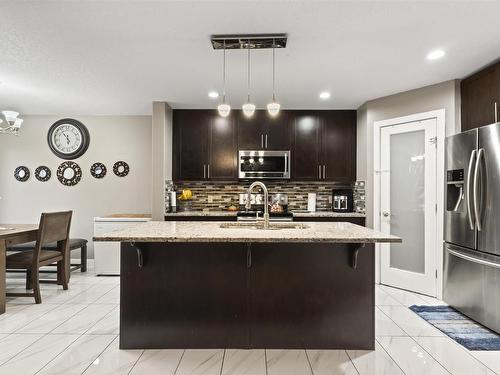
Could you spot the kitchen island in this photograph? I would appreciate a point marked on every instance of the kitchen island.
(213, 285)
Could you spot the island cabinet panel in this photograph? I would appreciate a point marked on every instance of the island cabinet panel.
(205, 146)
(479, 93)
(310, 297)
(186, 295)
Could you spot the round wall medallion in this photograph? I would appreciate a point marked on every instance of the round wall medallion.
(22, 173)
(98, 170)
(68, 138)
(42, 173)
(69, 173)
(121, 169)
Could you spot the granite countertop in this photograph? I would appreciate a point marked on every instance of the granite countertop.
(295, 214)
(187, 231)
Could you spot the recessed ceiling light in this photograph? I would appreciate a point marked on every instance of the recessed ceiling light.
(324, 95)
(436, 54)
(213, 94)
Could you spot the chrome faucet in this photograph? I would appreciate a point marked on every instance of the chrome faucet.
(248, 204)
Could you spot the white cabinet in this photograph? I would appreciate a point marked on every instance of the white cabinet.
(107, 254)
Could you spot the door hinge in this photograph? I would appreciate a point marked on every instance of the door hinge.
(436, 273)
(436, 207)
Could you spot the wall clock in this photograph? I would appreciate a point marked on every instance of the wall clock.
(42, 173)
(98, 170)
(22, 173)
(68, 138)
(121, 169)
(69, 173)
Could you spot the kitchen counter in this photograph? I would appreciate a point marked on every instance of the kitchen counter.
(201, 231)
(295, 214)
(201, 213)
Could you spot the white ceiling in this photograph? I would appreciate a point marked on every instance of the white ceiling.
(115, 57)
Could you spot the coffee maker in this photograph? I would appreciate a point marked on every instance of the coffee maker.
(342, 200)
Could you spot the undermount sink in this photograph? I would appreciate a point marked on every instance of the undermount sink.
(260, 225)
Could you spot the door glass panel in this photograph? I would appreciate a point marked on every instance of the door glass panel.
(407, 200)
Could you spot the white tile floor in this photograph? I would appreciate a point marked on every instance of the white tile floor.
(76, 331)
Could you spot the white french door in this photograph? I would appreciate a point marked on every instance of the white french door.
(408, 162)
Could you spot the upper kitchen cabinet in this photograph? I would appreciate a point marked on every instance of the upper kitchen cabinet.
(339, 146)
(263, 132)
(325, 146)
(306, 155)
(480, 96)
(190, 146)
(205, 146)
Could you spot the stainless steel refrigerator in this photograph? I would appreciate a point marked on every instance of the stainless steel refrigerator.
(472, 224)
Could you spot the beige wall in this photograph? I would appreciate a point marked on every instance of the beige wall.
(112, 138)
(443, 95)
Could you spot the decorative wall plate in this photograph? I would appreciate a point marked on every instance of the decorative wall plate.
(121, 169)
(22, 173)
(69, 173)
(68, 138)
(42, 173)
(98, 170)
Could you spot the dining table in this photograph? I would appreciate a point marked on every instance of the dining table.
(12, 234)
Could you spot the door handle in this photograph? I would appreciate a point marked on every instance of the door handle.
(319, 172)
(324, 171)
(262, 141)
(386, 214)
(473, 259)
(477, 209)
(204, 171)
(208, 170)
(266, 140)
(468, 187)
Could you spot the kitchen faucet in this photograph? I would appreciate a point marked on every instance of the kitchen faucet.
(248, 203)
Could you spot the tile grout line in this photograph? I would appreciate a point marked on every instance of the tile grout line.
(222, 364)
(136, 361)
(309, 362)
(390, 356)
(58, 354)
(98, 355)
(265, 359)
(178, 363)
(353, 364)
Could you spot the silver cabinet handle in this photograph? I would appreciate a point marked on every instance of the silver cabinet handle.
(324, 171)
(496, 112)
(266, 140)
(477, 210)
(208, 170)
(468, 187)
(319, 172)
(204, 171)
(262, 140)
(473, 259)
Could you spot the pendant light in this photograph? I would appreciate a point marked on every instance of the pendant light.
(224, 108)
(274, 107)
(248, 107)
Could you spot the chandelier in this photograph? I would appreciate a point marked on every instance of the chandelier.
(13, 123)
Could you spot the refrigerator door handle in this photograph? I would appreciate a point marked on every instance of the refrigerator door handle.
(477, 208)
(468, 188)
(473, 259)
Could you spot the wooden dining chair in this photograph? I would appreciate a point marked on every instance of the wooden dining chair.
(54, 227)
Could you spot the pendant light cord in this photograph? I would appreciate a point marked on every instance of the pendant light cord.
(274, 73)
(248, 75)
(224, 74)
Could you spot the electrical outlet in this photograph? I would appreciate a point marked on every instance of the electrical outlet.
(210, 199)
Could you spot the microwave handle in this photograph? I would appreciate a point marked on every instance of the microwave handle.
(286, 163)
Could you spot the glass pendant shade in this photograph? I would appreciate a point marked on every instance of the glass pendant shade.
(248, 109)
(224, 109)
(18, 123)
(273, 108)
(10, 116)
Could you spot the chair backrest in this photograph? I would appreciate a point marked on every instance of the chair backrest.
(54, 227)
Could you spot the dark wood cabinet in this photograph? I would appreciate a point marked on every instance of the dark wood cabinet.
(325, 146)
(306, 156)
(205, 146)
(263, 132)
(480, 97)
(322, 143)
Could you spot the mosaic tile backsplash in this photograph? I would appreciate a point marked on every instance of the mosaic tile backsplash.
(220, 195)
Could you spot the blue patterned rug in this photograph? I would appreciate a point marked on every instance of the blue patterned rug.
(463, 330)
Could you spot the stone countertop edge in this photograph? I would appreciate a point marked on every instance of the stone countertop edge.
(178, 231)
(295, 214)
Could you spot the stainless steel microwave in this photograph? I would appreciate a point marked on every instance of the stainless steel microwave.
(263, 164)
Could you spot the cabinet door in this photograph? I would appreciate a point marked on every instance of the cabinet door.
(251, 131)
(479, 94)
(339, 146)
(190, 144)
(306, 152)
(223, 149)
(279, 134)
